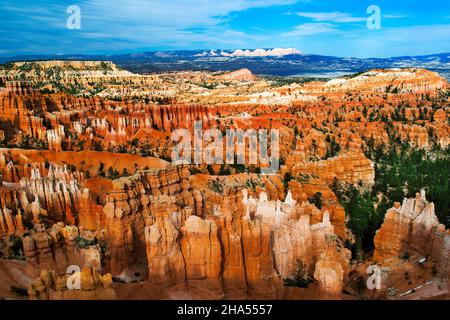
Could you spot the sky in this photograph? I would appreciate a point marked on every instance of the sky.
(325, 27)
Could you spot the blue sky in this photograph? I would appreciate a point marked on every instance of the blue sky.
(327, 27)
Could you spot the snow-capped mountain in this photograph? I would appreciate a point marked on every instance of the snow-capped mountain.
(269, 61)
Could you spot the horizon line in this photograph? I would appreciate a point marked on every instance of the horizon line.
(37, 55)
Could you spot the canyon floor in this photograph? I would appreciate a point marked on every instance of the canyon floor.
(351, 201)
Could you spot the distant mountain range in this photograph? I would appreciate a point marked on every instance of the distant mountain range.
(271, 62)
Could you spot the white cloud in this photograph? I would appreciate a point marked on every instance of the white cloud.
(178, 13)
(393, 16)
(389, 42)
(130, 25)
(178, 23)
(308, 29)
(339, 17)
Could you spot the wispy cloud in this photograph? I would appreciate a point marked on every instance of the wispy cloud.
(339, 17)
(308, 29)
(182, 14)
(394, 16)
(395, 41)
(109, 25)
(419, 34)
(113, 26)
